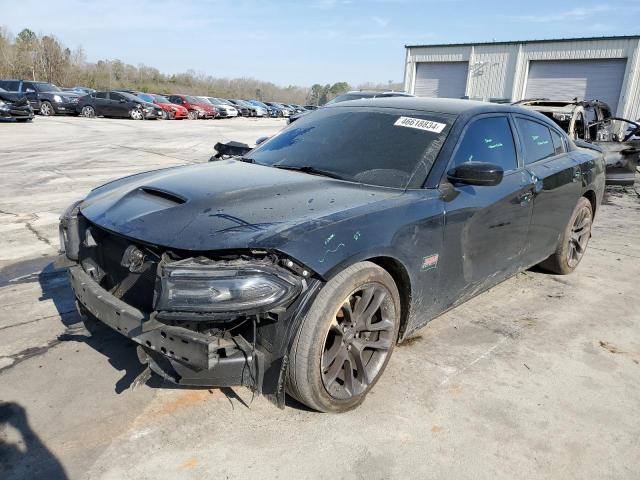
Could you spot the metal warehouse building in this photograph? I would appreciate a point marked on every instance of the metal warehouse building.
(603, 68)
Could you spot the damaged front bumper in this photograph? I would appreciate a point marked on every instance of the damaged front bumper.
(175, 353)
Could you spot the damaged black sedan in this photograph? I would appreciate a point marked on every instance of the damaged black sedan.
(296, 268)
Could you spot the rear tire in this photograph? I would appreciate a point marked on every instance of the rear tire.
(573, 242)
(345, 340)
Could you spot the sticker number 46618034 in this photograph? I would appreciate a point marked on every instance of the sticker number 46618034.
(420, 124)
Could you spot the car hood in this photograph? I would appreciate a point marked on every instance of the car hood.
(225, 205)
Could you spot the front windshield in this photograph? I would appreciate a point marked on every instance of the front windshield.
(146, 97)
(215, 101)
(383, 146)
(203, 100)
(161, 99)
(46, 87)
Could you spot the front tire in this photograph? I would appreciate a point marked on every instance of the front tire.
(193, 115)
(573, 243)
(345, 340)
(136, 114)
(46, 109)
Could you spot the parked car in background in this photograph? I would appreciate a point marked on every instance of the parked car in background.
(45, 98)
(170, 111)
(311, 107)
(225, 109)
(592, 122)
(14, 105)
(196, 108)
(243, 110)
(80, 90)
(271, 112)
(254, 110)
(117, 104)
(281, 109)
(396, 209)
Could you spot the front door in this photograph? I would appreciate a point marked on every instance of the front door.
(485, 227)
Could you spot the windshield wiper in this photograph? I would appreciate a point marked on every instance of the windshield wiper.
(308, 169)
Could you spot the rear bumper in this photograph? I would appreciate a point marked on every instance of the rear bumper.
(177, 354)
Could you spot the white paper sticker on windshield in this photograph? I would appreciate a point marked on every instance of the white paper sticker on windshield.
(420, 124)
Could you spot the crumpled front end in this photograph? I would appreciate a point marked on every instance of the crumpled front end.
(215, 320)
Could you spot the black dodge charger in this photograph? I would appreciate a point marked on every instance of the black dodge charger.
(297, 267)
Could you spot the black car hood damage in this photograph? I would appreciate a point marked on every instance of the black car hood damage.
(13, 97)
(225, 205)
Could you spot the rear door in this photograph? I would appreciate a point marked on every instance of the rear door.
(485, 226)
(118, 106)
(557, 185)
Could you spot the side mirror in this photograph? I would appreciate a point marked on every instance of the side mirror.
(262, 140)
(476, 173)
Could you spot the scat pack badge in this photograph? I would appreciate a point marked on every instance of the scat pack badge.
(430, 262)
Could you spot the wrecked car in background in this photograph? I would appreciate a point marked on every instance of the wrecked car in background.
(592, 122)
(297, 267)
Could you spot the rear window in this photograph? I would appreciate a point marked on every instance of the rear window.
(10, 85)
(536, 140)
(375, 146)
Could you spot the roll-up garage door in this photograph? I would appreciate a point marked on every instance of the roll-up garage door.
(585, 79)
(441, 79)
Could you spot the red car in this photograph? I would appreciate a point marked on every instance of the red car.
(170, 111)
(173, 111)
(196, 108)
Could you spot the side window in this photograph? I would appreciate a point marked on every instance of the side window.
(488, 140)
(558, 142)
(536, 140)
(102, 95)
(28, 87)
(115, 96)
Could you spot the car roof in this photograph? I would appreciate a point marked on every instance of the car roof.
(439, 105)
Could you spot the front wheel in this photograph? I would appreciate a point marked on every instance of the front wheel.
(46, 109)
(573, 242)
(193, 115)
(136, 114)
(345, 340)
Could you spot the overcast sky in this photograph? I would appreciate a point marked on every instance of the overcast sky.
(303, 42)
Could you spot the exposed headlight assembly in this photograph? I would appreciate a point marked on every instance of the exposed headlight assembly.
(200, 285)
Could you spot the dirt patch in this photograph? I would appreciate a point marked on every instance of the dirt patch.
(410, 341)
(184, 400)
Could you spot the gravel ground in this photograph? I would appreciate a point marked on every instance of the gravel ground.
(536, 378)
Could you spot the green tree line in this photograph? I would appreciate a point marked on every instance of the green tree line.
(43, 57)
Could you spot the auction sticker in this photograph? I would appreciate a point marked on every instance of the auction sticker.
(420, 124)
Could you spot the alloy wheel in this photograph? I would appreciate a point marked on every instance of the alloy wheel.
(358, 341)
(193, 115)
(136, 114)
(46, 109)
(580, 233)
(88, 111)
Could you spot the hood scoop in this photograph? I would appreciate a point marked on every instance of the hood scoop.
(163, 194)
